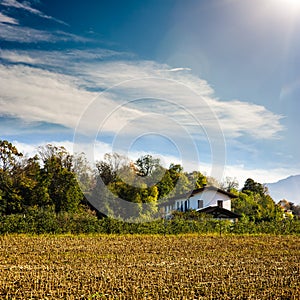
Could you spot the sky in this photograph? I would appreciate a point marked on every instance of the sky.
(213, 85)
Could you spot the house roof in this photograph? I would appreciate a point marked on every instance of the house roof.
(198, 191)
(213, 188)
(219, 212)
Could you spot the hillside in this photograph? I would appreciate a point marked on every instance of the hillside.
(288, 188)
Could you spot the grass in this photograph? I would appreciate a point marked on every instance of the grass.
(149, 267)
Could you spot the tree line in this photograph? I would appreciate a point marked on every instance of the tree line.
(51, 190)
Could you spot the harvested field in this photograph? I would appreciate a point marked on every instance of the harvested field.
(149, 267)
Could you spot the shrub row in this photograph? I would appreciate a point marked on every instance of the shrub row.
(41, 221)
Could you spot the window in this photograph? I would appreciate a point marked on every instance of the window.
(220, 203)
(200, 203)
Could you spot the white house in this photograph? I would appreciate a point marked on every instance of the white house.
(201, 199)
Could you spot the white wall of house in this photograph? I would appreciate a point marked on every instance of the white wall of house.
(210, 198)
(207, 198)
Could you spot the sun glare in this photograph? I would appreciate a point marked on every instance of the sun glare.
(292, 7)
(291, 3)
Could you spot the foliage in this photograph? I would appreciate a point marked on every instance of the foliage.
(46, 220)
(255, 202)
(41, 194)
(230, 184)
(40, 181)
(254, 187)
(290, 209)
(146, 165)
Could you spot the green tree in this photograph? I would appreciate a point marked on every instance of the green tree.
(254, 202)
(165, 185)
(245, 204)
(32, 184)
(145, 165)
(198, 178)
(109, 168)
(252, 186)
(11, 200)
(63, 188)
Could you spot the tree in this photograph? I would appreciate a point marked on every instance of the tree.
(32, 184)
(286, 205)
(146, 165)
(60, 180)
(213, 181)
(8, 156)
(245, 204)
(198, 178)
(255, 202)
(84, 172)
(252, 186)
(60, 154)
(11, 200)
(230, 184)
(109, 168)
(165, 185)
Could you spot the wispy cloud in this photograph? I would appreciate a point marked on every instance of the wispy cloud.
(187, 99)
(11, 30)
(40, 95)
(6, 19)
(179, 69)
(239, 118)
(66, 59)
(24, 34)
(35, 94)
(26, 6)
(17, 57)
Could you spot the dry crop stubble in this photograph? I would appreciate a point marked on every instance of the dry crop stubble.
(149, 267)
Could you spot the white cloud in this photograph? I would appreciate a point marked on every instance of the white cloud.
(110, 73)
(26, 6)
(16, 57)
(67, 58)
(239, 118)
(30, 35)
(141, 79)
(39, 95)
(179, 69)
(145, 79)
(6, 19)
(33, 94)
(242, 173)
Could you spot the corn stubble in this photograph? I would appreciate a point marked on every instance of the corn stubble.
(149, 267)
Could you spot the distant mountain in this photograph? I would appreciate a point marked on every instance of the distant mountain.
(288, 188)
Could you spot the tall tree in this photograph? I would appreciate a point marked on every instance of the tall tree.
(230, 184)
(253, 186)
(109, 168)
(11, 200)
(32, 184)
(62, 185)
(146, 165)
(9, 155)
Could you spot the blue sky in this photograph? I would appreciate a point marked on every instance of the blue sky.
(213, 84)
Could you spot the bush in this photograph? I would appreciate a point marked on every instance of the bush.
(45, 220)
